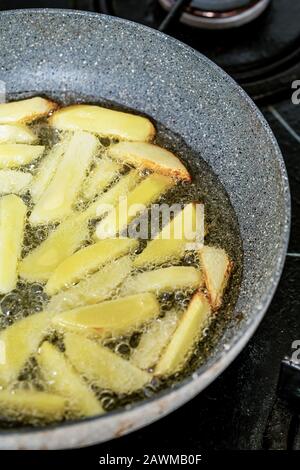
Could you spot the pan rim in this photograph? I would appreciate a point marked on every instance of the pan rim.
(207, 373)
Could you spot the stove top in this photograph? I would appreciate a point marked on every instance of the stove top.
(252, 404)
(263, 55)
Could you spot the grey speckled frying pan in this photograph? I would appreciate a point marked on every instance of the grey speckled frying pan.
(138, 67)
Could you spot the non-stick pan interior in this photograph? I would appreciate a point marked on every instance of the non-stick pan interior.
(60, 52)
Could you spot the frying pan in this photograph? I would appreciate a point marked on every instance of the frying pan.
(103, 57)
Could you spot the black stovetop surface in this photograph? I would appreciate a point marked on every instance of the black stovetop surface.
(240, 410)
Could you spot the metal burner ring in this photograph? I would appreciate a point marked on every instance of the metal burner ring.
(218, 19)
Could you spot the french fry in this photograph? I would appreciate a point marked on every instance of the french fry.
(13, 181)
(12, 219)
(100, 177)
(19, 341)
(159, 252)
(153, 157)
(15, 155)
(47, 170)
(60, 377)
(172, 241)
(69, 235)
(102, 367)
(113, 317)
(188, 332)
(130, 206)
(58, 198)
(87, 260)
(25, 110)
(154, 340)
(103, 122)
(110, 198)
(216, 268)
(31, 405)
(40, 263)
(96, 288)
(163, 280)
(16, 134)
